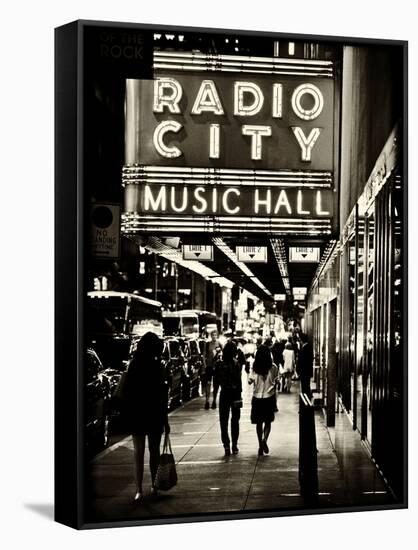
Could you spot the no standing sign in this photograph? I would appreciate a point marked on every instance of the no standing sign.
(105, 231)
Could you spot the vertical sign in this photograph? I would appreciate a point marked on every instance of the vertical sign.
(105, 231)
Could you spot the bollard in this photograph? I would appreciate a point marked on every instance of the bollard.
(308, 471)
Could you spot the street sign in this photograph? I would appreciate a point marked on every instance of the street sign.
(299, 297)
(251, 253)
(198, 252)
(307, 254)
(301, 290)
(279, 297)
(105, 230)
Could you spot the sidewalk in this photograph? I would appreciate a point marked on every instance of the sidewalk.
(210, 482)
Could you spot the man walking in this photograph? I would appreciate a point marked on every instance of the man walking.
(305, 365)
(213, 350)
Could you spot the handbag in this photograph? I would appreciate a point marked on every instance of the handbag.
(166, 476)
(237, 404)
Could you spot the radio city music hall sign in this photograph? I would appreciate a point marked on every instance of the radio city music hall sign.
(185, 120)
(215, 200)
(217, 145)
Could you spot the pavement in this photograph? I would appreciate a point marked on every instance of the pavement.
(210, 482)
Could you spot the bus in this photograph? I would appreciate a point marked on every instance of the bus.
(116, 321)
(190, 323)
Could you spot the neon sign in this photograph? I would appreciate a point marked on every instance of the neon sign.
(190, 120)
(230, 144)
(168, 93)
(214, 200)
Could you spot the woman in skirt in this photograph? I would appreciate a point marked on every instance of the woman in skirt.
(264, 376)
(146, 406)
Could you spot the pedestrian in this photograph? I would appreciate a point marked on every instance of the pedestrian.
(212, 355)
(305, 365)
(268, 342)
(145, 406)
(248, 350)
(240, 353)
(230, 401)
(288, 367)
(264, 376)
(277, 351)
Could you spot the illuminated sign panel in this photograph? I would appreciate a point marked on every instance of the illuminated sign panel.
(304, 254)
(299, 290)
(214, 200)
(251, 253)
(197, 252)
(226, 144)
(224, 121)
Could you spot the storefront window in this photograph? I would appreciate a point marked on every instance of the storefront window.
(352, 320)
(360, 320)
(397, 297)
(369, 280)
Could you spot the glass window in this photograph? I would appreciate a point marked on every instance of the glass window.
(352, 319)
(360, 320)
(369, 280)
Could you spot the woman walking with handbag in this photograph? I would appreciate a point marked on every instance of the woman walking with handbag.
(229, 377)
(263, 375)
(146, 406)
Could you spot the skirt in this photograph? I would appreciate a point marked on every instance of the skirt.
(263, 409)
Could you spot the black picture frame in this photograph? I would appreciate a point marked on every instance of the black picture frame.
(71, 226)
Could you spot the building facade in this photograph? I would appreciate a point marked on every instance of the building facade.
(356, 302)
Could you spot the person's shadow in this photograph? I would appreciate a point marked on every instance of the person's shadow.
(46, 510)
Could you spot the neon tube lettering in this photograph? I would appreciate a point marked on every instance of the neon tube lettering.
(203, 202)
(262, 202)
(277, 100)
(183, 206)
(170, 100)
(282, 201)
(299, 207)
(315, 111)
(207, 99)
(214, 141)
(225, 201)
(241, 88)
(150, 203)
(306, 143)
(256, 133)
(167, 151)
(319, 211)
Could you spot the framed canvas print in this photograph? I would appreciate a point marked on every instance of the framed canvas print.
(231, 274)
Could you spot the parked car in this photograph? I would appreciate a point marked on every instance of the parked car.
(175, 367)
(97, 401)
(193, 368)
(116, 419)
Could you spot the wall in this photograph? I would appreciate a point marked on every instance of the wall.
(371, 105)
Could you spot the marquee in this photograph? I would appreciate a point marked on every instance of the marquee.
(250, 140)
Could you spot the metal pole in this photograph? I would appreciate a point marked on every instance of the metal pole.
(176, 296)
(156, 270)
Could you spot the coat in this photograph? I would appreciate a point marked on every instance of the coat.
(305, 361)
(145, 404)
